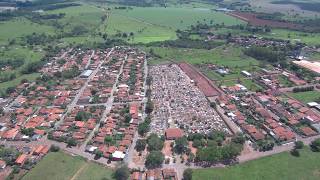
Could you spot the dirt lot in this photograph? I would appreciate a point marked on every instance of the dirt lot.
(252, 19)
(203, 84)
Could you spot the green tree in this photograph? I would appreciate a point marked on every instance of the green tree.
(181, 145)
(122, 173)
(140, 145)
(187, 174)
(315, 145)
(143, 128)
(154, 159)
(298, 145)
(154, 143)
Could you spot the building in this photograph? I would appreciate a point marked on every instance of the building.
(118, 156)
(86, 73)
(173, 133)
(246, 73)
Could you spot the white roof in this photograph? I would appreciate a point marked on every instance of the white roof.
(312, 104)
(118, 154)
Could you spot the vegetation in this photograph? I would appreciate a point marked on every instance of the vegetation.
(154, 143)
(154, 159)
(58, 165)
(306, 97)
(271, 167)
(122, 173)
(187, 174)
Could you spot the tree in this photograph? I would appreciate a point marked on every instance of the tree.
(122, 173)
(71, 142)
(315, 145)
(239, 139)
(181, 145)
(154, 159)
(108, 140)
(140, 145)
(295, 152)
(98, 154)
(143, 128)
(298, 145)
(154, 143)
(187, 174)
(54, 148)
(28, 131)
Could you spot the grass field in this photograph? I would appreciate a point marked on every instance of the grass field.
(60, 166)
(20, 27)
(158, 24)
(178, 18)
(226, 56)
(306, 97)
(143, 32)
(281, 166)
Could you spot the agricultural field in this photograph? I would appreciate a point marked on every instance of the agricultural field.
(58, 165)
(273, 167)
(157, 24)
(306, 97)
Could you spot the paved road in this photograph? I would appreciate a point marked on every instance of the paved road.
(80, 92)
(130, 153)
(108, 106)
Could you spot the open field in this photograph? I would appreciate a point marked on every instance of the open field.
(20, 27)
(306, 97)
(178, 18)
(151, 24)
(61, 166)
(280, 166)
(225, 56)
(143, 32)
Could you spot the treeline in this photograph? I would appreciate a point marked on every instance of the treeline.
(265, 54)
(303, 89)
(45, 4)
(187, 43)
(13, 63)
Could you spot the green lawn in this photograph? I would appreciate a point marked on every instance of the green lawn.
(60, 166)
(306, 97)
(282, 166)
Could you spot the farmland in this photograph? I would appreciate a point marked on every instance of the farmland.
(273, 167)
(64, 167)
(158, 24)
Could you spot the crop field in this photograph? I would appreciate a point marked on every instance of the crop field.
(65, 167)
(159, 24)
(306, 97)
(280, 166)
(178, 18)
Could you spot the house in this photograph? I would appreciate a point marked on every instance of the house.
(21, 159)
(118, 156)
(173, 133)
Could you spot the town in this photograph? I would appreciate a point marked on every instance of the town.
(159, 90)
